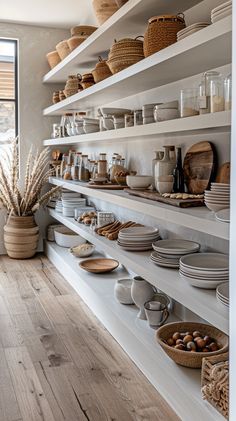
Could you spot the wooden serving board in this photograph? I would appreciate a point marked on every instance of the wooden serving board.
(223, 174)
(179, 203)
(199, 167)
(106, 186)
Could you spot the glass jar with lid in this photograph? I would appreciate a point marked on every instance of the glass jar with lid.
(217, 102)
(228, 92)
(204, 91)
(84, 174)
(189, 102)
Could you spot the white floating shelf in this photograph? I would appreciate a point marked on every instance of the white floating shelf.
(179, 386)
(201, 302)
(130, 20)
(206, 122)
(201, 51)
(199, 219)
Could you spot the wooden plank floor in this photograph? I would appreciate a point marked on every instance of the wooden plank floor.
(57, 362)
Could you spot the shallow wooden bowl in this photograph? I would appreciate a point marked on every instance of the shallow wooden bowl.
(185, 358)
(99, 265)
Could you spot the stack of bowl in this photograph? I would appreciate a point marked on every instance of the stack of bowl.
(90, 125)
(218, 197)
(124, 53)
(167, 111)
(148, 113)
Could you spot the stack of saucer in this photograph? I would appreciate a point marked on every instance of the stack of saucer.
(195, 27)
(138, 238)
(168, 252)
(58, 207)
(221, 11)
(69, 206)
(205, 270)
(222, 294)
(218, 197)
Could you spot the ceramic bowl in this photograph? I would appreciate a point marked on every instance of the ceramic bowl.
(215, 207)
(164, 114)
(122, 291)
(139, 181)
(84, 250)
(91, 128)
(164, 186)
(64, 237)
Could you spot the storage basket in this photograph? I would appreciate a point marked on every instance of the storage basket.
(63, 49)
(61, 95)
(127, 43)
(162, 32)
(75, 41)
(82, 30)
(124, 53)
(215, 382)
(53, 58)
(87, 80)
(72, 85)
(55, 97)
(104, 9)
(101, 71)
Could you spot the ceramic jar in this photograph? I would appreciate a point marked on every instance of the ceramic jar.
(165, 166)
(141, 292)
(159, 156)
(123, 291)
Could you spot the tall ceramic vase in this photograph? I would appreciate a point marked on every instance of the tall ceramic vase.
(165, 166)
(141, 292)
(21, 235)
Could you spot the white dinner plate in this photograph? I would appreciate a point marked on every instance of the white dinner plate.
(206, 261)
(176, 246)
(139, 231)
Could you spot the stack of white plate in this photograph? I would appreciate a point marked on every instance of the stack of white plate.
(67, 194)
(138, 238)
(222, 294)
(221, 11)
(168, 252)
(205, 270)
(218, 197)
(195, 27)
(69, 206)
(58, 207)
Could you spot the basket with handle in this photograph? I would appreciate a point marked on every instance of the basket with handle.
(101, 70)
(162, 32)
(104, 9)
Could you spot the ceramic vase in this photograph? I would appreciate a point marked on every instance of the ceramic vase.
(21, 235)
(141, 292)
(159, 156)
(166, 166)
(123, 291)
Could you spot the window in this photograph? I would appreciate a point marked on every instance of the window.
(8, 90)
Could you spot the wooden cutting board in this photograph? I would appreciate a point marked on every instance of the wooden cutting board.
(106, 186)
(223, 174)
(199, 167)
(180, 203)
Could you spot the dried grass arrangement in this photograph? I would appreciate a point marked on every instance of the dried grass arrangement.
(24, 201)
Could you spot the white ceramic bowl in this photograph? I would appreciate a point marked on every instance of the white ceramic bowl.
(64, 237)
(215, 207)
(81, 251)
(139, 181)
(164, 186)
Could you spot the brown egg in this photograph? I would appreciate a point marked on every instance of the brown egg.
(170, 342)
(197, 338)
(180, 347)
(191, 346)
(207, 339)
(176, 336)
(179, 341)
(188, 338)
(201, 343)
(213, 347)
(196, 334)
(182, 335)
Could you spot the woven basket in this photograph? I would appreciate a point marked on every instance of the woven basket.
(127, 43)
(53, 58)
(82, 30)
(185, 358)
(63, 49)
(75, 41)
(62, 95)
(121, 3)
(116, 65)
(72, 85)
(55, 97)
(216, 392)
(101, 71)
(104, 9)
(162, 32)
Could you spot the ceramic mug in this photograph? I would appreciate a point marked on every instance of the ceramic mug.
(156, 313)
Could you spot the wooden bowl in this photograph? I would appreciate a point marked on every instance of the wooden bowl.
(185, 358)
(99, 265)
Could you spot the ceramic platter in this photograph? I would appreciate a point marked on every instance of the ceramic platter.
(223, 215)
(99, 265)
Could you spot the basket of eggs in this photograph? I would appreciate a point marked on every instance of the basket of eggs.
(187, 343)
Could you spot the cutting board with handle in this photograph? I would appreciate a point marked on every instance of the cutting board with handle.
(223, 174)
(199, 167)
(180, 203)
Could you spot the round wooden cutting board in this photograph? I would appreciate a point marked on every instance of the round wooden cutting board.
(199, 167)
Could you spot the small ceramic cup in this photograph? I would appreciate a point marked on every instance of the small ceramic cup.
(164, 186)
(156, 313)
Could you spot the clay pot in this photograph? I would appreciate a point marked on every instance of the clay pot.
(141, 292)
(21, 235)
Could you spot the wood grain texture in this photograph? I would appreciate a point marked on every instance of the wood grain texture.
(57, 361)
(223, 173)
(156, 197)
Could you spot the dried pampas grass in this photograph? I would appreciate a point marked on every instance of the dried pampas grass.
(36, 176)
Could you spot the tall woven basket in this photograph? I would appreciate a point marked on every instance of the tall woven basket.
(215, 382)
(162, 32)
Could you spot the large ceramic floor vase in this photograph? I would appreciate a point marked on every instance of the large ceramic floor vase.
(141, 292)
(21, 235)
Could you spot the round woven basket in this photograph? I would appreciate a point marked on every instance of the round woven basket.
(101, 71)
(185, 358)
(21, 236)
(63, 49)
(127, 43)
(118, 64)
(75, 41)
(82, 30)
(104, 9)
(162, 32)
(53, 58)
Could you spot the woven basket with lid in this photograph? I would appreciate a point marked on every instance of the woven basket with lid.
(162, 32)
(104, 9)
(63, 49)
(82, 30)
(124, 53)
(101, 70)
(53, 58)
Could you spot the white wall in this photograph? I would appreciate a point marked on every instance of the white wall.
(34, 43)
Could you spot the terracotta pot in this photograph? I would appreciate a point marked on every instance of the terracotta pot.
(21, 236)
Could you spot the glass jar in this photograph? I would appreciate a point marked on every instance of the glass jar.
(67, 173)
(84, 174)
(189, 102)
(74, 172)
(103, 156)
(138, 117)
(129, 120)
(204, 91)
(217, 102)
(102, 168)
(95, 170)
(228, 92)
